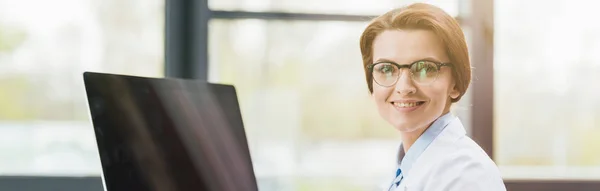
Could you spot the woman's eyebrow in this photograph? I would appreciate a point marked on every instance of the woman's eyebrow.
(384, 60)
(428, 58)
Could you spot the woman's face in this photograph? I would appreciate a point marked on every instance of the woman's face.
(409, 105)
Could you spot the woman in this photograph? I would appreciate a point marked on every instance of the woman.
(417, 64)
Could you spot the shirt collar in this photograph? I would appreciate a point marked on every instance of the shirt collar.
(406, 160)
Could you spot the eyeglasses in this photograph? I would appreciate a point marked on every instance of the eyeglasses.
(423, 72)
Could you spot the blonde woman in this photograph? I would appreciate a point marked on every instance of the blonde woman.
(417, 65)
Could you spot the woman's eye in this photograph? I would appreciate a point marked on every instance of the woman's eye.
(386, 69)
(424, 67)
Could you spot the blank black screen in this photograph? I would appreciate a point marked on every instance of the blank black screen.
(168, 134)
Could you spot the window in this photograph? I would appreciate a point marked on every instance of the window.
(547, 109)
(306, 108)
(45, 46)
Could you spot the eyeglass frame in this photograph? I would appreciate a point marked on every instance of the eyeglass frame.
(439, 65)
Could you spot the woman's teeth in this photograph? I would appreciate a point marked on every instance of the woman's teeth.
(405, 105)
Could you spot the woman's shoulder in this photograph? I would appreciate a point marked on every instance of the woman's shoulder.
(455, 162)
(454, 144)
(466, 167)
(466, 147)
(466, 154)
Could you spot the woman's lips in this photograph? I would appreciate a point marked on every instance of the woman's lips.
(407, 106)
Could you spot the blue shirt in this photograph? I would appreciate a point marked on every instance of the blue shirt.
(406, 160)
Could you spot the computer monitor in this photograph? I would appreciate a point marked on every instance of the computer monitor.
(167, 134)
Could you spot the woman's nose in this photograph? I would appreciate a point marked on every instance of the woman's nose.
(405, 85)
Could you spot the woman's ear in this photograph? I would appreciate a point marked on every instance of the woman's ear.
(454, 93)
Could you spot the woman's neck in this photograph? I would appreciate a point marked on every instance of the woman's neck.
(409, 138)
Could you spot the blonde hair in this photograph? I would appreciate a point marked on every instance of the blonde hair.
(427, 17)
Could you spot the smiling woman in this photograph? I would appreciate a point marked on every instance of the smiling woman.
(403, 106)
(416, 64)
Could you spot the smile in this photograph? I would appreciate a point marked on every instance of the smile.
(407, 106)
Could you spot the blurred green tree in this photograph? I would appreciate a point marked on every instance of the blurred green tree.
(11, 38)
(12, 87)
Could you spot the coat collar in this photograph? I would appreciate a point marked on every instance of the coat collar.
(406, 160)
(440, 146)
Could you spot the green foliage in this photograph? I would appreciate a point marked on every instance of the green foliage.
(13, 99)
(11, 38)
(13, 87)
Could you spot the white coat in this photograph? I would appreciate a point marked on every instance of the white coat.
(453, 162)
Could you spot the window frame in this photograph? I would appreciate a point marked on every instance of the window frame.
(189, 19)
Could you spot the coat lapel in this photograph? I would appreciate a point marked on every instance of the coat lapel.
(439, 147)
